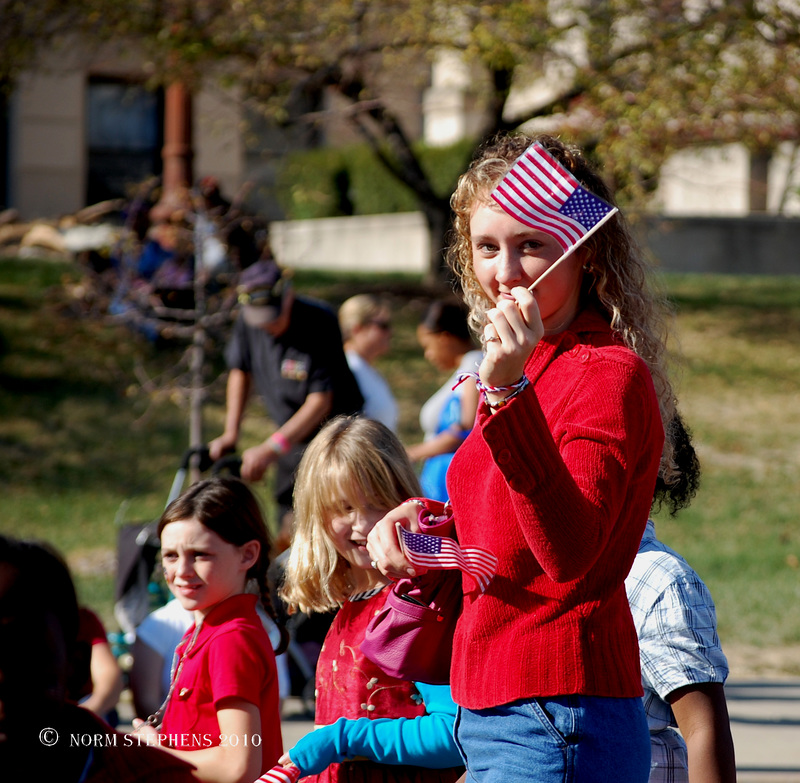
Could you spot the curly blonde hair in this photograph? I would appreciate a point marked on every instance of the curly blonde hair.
(352, 459)
(617, 280)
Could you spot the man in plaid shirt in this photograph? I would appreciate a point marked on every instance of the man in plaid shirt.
(683, 668)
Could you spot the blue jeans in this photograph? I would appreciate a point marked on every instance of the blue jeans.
(561, 739)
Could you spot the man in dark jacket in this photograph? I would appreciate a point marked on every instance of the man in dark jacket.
(289, 349)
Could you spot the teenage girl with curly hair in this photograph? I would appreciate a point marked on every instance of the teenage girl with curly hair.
(556, 479)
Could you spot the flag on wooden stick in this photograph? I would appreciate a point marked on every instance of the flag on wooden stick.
(540, 193)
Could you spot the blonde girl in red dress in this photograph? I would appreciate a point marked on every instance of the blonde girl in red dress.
(370, 727)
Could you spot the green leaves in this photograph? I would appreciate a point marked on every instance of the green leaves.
(631, 80)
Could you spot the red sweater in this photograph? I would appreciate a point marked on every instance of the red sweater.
(558, 484)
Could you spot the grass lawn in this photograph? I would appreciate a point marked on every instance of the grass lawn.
(83, 446)
(740, 391)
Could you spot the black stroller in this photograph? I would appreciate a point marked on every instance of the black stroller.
(138, 589)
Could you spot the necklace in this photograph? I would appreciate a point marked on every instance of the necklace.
(158, 716)
(367, 594)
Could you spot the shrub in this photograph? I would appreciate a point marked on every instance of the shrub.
(352, 181)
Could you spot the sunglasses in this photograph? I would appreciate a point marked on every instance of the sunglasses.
(385, 325)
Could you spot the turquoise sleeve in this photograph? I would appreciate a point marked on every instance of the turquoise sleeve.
(425, 741)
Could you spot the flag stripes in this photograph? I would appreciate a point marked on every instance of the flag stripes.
(288, 774)
(440, 552)
(542, 194)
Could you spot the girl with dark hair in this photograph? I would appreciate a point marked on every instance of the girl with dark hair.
(39, 655)
(222, 710)
(447, 417)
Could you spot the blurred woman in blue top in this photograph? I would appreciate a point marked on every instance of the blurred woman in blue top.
(447, 417)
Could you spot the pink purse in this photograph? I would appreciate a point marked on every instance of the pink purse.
(411, 638)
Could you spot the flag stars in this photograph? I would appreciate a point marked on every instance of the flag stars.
(539, 192)
(584, 207)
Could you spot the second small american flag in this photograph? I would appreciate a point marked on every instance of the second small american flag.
(439, 552)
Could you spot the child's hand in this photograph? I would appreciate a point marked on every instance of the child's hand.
(384, 547)
(146, 730)
(514, 329)
(318, 749)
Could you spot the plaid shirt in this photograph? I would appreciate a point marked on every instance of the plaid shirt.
(676, 624)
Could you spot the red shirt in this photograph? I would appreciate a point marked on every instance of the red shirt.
(558, 484)
(349, 685)
(231, 657)
(90, 633)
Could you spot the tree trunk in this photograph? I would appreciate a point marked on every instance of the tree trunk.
(759, 170)
(198, 355)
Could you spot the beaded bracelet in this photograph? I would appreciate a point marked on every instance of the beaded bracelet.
(518, 386)
(430, 511)
(279, 443)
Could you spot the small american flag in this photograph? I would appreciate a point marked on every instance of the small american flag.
(539, 192)
(441, 552)
(288, 774)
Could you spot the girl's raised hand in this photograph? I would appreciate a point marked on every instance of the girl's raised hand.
(513, 330)
(384, 547)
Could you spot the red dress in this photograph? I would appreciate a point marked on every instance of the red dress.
(351, 686)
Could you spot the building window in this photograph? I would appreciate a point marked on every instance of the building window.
(125, 135)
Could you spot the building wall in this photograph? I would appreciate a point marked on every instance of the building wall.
(783, 182)
(399, 243)
(713, 181)
(47, 163)
(750, 245)
(218, 138)
(48, 138)
(449, 107)
(374, 243)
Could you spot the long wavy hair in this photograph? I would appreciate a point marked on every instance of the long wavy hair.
(617, 280)
(351, 460)
(227, 507)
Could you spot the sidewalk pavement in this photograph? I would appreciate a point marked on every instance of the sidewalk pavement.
(765, 721)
